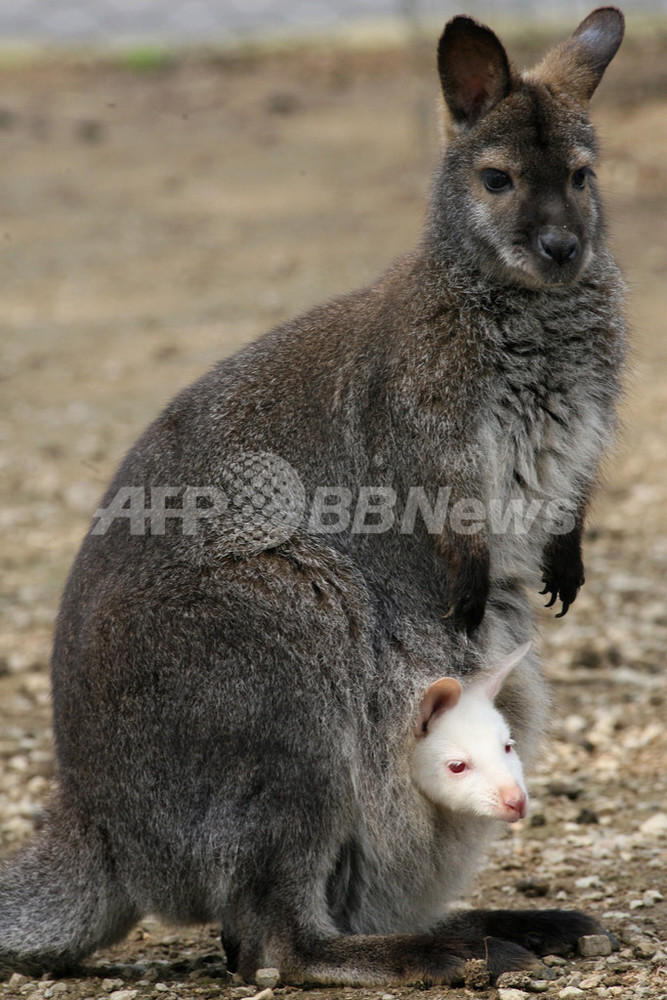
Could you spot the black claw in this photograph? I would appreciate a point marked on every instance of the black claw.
(546, 590)
(566, 605)
(554, 598)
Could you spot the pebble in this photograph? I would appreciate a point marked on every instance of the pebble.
(123, 994)
(532, 887)
(551, 961)
(591, 945)
(654, 826)
(267, 978)
(589, 982)
(512, 994)
(476, 974)
(264, 995)
(16, 979)
(571, 993)
(643, 948)
(109, 985)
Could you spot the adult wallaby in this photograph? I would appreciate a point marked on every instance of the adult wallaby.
(235, 690)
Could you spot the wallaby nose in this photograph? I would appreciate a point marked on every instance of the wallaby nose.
(559, 244)
(516, 804)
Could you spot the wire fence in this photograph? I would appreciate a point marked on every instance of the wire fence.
(228, 21)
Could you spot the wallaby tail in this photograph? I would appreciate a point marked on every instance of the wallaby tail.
(60, 899)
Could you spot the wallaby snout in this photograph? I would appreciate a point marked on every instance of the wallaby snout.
(559, 245)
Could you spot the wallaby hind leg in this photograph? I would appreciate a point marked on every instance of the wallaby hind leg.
(59, 899)
(382, 959)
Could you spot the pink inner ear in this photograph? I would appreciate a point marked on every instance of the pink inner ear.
(473, 95)
(473, 66)
(442, 695)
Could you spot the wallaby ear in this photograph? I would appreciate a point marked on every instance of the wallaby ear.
(474, 70)
(491, 683)
(576, 65)
(441, 696)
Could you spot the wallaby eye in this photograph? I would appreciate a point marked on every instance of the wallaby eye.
(496, 180)
(579, 178)
(457, 766)
(508, 746)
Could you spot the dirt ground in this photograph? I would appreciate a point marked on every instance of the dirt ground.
(153, 217)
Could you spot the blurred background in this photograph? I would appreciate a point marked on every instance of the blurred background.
(221, 21)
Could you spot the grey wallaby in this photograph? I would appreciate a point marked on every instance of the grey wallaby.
(237, 675)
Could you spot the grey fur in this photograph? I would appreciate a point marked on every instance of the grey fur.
(233, 728)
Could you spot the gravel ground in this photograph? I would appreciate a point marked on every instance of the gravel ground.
(152, 222)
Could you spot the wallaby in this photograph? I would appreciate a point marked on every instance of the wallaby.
(235, 690)
(464, 758)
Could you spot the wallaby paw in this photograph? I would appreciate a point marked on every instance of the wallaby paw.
(564, 589)
(469, 590)
(563, 572)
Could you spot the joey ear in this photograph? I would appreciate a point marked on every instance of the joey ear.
(576, 65)
(441, 696)
(474, 69)
(491, 683)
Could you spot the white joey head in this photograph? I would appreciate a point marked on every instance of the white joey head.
(464, 757)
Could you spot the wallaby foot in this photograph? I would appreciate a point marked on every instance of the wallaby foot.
(59, 900)
(544, 932)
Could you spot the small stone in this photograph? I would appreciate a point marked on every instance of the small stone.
(636, 904)
(589, 982)
(587, 816)
(591, 945)
(161, 988)
(476, 974)
(654, 826)
(570, 791)
(512, 994)
(264, 995)
(16, 980)
(123, 994)
(552, 961)
(587, 882)
(643, 948)
(267, 978)
(109, 985)
(244, 991)
(538, 986)
(532, 887)
(571, 993)
(514, 980)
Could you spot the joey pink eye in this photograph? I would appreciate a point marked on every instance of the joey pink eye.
(457, 766)
(508, 746)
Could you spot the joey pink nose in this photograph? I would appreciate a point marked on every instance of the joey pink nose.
(516, 803)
